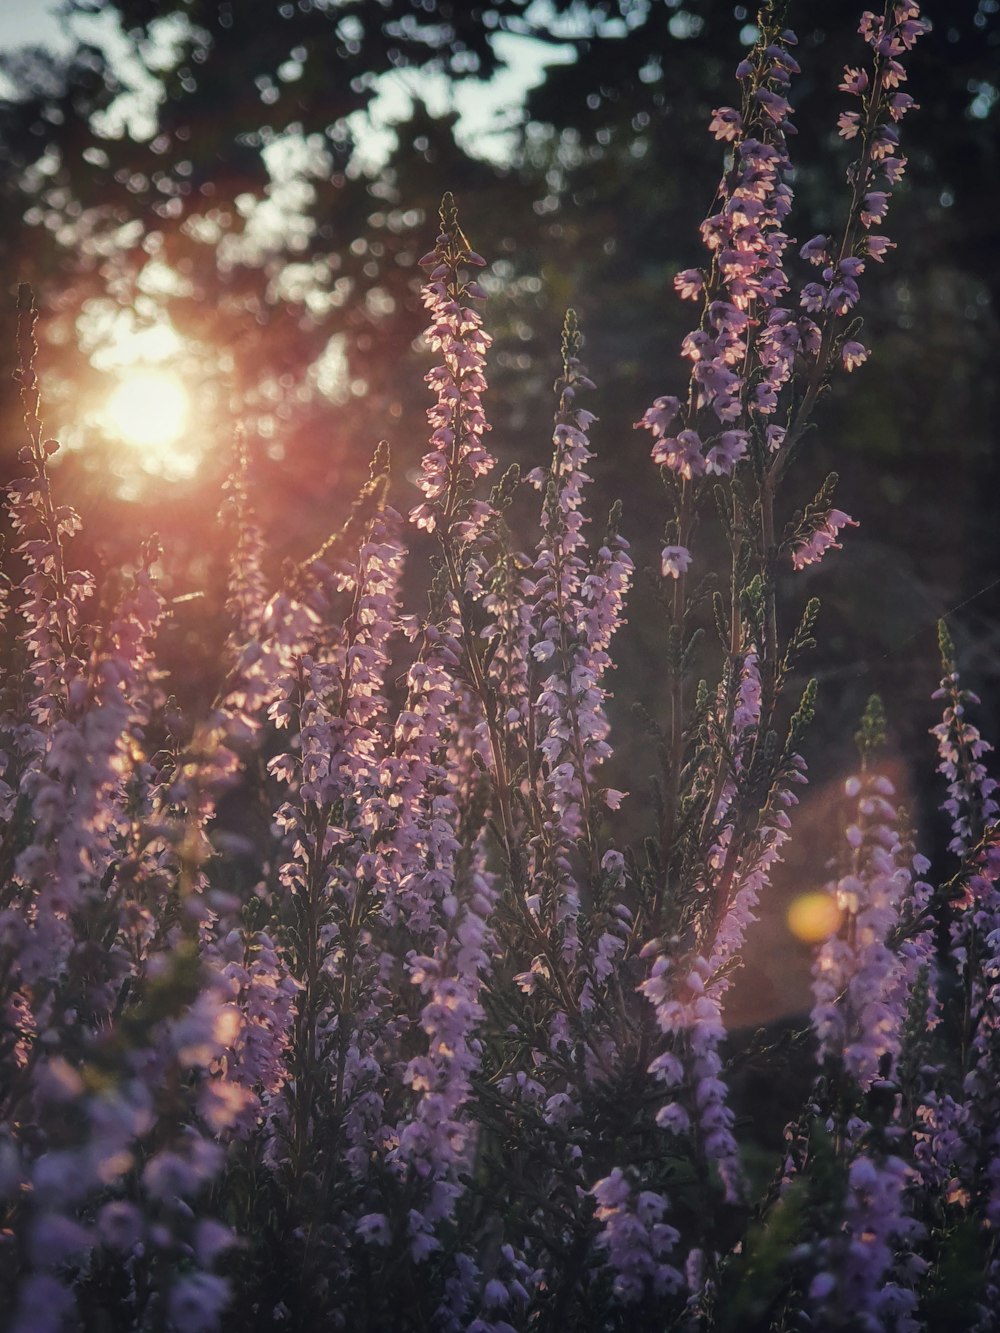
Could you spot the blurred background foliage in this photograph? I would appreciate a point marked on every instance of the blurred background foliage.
(206, 181)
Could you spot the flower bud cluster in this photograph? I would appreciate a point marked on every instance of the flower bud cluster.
(875, 172)
(743, 352)
(458, 423)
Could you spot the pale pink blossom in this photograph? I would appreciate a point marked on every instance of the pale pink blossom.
(674, 561)
(823, 537)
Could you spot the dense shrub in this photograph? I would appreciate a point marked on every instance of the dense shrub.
(426, 1048)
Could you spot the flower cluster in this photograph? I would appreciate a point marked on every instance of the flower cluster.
(637, 1240)
(857, 975)
(452, 1054)
(970, 803)
(810, 550)
(872, 176)
(457, 419)
(743, 352)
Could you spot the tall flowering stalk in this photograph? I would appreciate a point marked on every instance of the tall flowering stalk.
(876, 170)
(741, 358)
(862, 1265)
(331, 698)
(51, 594)
(459, 457)
(756, 368)
(575, 609)
(859, 980)
(103, 1021)
(970, 804)
(955, 1140)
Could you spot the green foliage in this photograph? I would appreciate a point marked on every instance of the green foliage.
(871, 735)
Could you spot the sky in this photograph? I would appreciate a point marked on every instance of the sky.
(30, 23)
(24, 24)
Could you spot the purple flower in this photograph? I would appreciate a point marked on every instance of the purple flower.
(169, 1175)
(637, 1242)
(55, 1239)
(858, 1277)
(212, 1239)
(674, 561)
(686, 1008)
(726, 123)
(878, 246)
(374, 1229)
(681, 454)
(119, 1225)
(817, 251)
(196, 1302)
(875, 207)
(824, 536)
(854, 354)
(660, 416)
(43, 1306)
(689, 284)
(854, 81)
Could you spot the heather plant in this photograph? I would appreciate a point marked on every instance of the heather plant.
(453, 1057)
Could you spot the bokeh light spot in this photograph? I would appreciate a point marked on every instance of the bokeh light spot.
(814, 917)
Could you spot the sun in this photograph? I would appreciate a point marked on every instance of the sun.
(149, 409)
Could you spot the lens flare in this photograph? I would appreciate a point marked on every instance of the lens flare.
(149, 409)
(814, 917)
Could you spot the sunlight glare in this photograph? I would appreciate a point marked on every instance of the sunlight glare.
(149, 409)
